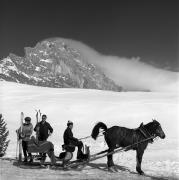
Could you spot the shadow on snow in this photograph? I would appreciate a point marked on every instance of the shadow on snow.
(99, 166)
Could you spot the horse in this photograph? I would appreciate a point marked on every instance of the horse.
(117, 136)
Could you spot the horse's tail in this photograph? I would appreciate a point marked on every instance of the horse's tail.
(96, 128)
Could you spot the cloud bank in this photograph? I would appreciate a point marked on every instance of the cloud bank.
(130, 73)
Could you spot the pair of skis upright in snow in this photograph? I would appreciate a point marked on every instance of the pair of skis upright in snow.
(38, 117)
(20, 136)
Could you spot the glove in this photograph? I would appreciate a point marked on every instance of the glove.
(21, 135)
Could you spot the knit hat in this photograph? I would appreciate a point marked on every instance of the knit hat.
(44, 116)
(69, 123)
(27, 119)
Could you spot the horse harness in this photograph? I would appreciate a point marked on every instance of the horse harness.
(144, 131)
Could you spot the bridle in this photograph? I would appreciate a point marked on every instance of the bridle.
(147, 134)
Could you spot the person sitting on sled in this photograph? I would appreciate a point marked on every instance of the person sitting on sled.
(69, 140)
(27, 130)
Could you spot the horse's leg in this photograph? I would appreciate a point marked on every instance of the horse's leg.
(110, 162)
(139, 154)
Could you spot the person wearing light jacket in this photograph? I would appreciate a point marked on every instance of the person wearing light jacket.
(27, 130)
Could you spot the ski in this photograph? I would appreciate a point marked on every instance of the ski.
(38, 117)
(20, 138)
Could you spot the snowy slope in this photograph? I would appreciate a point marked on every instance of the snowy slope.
(86, 107)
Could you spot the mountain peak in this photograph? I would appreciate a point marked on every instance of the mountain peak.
(54, 63)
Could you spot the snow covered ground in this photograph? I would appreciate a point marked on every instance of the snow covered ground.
(85, 108)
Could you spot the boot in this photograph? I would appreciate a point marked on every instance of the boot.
(31, 160)
(30, 157)
(79, 155)
(25, 159)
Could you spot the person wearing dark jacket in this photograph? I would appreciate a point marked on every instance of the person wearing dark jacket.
(43, 130)
(70, 140)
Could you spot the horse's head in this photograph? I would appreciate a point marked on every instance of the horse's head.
(156, 129)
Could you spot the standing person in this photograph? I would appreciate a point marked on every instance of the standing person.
(44, 130)
(70, 140)
(27, 130)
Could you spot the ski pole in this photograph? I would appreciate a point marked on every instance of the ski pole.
(17, 147)
(20, 140)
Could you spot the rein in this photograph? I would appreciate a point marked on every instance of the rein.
(90, 136)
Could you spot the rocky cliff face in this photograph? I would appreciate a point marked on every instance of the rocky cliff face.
(53, 63)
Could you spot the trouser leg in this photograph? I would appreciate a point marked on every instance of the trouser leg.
(30, 156)
(24, 147)
(79, 144)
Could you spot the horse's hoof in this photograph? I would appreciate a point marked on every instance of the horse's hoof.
(141, 172)
(115, 168)
(111, 169)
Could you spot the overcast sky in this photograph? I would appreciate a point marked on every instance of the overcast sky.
(126, 28)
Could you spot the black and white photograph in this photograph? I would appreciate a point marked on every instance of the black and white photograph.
(89, 89)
